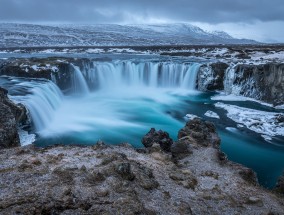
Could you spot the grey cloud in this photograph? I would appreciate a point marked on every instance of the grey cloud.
(116, 11)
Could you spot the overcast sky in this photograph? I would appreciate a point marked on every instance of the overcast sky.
(261, 20)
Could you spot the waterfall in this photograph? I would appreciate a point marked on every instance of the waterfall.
(79, 84)
(229, 79)
(42, 102)
(44, 99)
(119, 74)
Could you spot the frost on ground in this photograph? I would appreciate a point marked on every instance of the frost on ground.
(212, 114)
(266, 123)
(235, 98)
(194, 177)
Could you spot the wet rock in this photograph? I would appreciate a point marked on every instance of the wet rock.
(159, 137)
(202, 132)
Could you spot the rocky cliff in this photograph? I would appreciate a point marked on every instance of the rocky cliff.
(263, 82)
(189, 176)
(10, 116)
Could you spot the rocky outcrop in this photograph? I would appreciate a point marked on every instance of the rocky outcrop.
(211, 76)
(59, 70)
(10, 115)
(104, 179)
(160, 137)
(262, 82)
(203, 132)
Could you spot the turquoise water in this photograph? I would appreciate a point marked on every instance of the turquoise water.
(127, 119)
(124, 112)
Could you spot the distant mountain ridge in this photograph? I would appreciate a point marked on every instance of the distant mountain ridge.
(30, 35)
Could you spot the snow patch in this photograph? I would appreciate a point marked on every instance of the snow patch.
(212, 114)
(261, 122)
(25, 137)
(190, 116)
(231, 97)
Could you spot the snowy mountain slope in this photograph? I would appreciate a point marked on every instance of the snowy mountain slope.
(29, 35)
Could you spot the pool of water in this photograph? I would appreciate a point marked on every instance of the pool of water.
(124, 112)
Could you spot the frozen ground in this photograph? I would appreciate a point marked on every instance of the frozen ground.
(28, 35)
(262, 122)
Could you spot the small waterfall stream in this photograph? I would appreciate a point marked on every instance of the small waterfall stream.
(79, 84)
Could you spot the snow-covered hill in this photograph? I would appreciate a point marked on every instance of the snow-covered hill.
(29, 35)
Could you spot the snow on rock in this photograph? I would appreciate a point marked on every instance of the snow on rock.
(190, 116)
(212, 114)
(265, 123)
(25, 137)
(223, 97)
(39, 67)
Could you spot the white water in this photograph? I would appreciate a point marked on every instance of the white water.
(127, 98)
(79, 83)
(43, 101)
(119, 74)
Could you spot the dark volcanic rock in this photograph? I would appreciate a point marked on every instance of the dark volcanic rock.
(280, 184)
(10, 115)
(100, 180)
(211, 77)
(159, 137)
(262, 82)
(59, 70)
(181, 148)
(202, 132)
(248, 175)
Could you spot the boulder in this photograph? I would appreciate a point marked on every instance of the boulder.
(160, 137)
(201, 132)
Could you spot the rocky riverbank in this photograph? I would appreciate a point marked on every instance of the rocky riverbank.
(11, 115)
(189, 176)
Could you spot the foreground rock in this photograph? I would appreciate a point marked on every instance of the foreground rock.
(10, 115)
(105, 179)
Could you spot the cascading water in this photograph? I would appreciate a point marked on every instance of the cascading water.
(43, 101)
(118, 74)
(123, 89)
(79, 84)
(127, 98)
